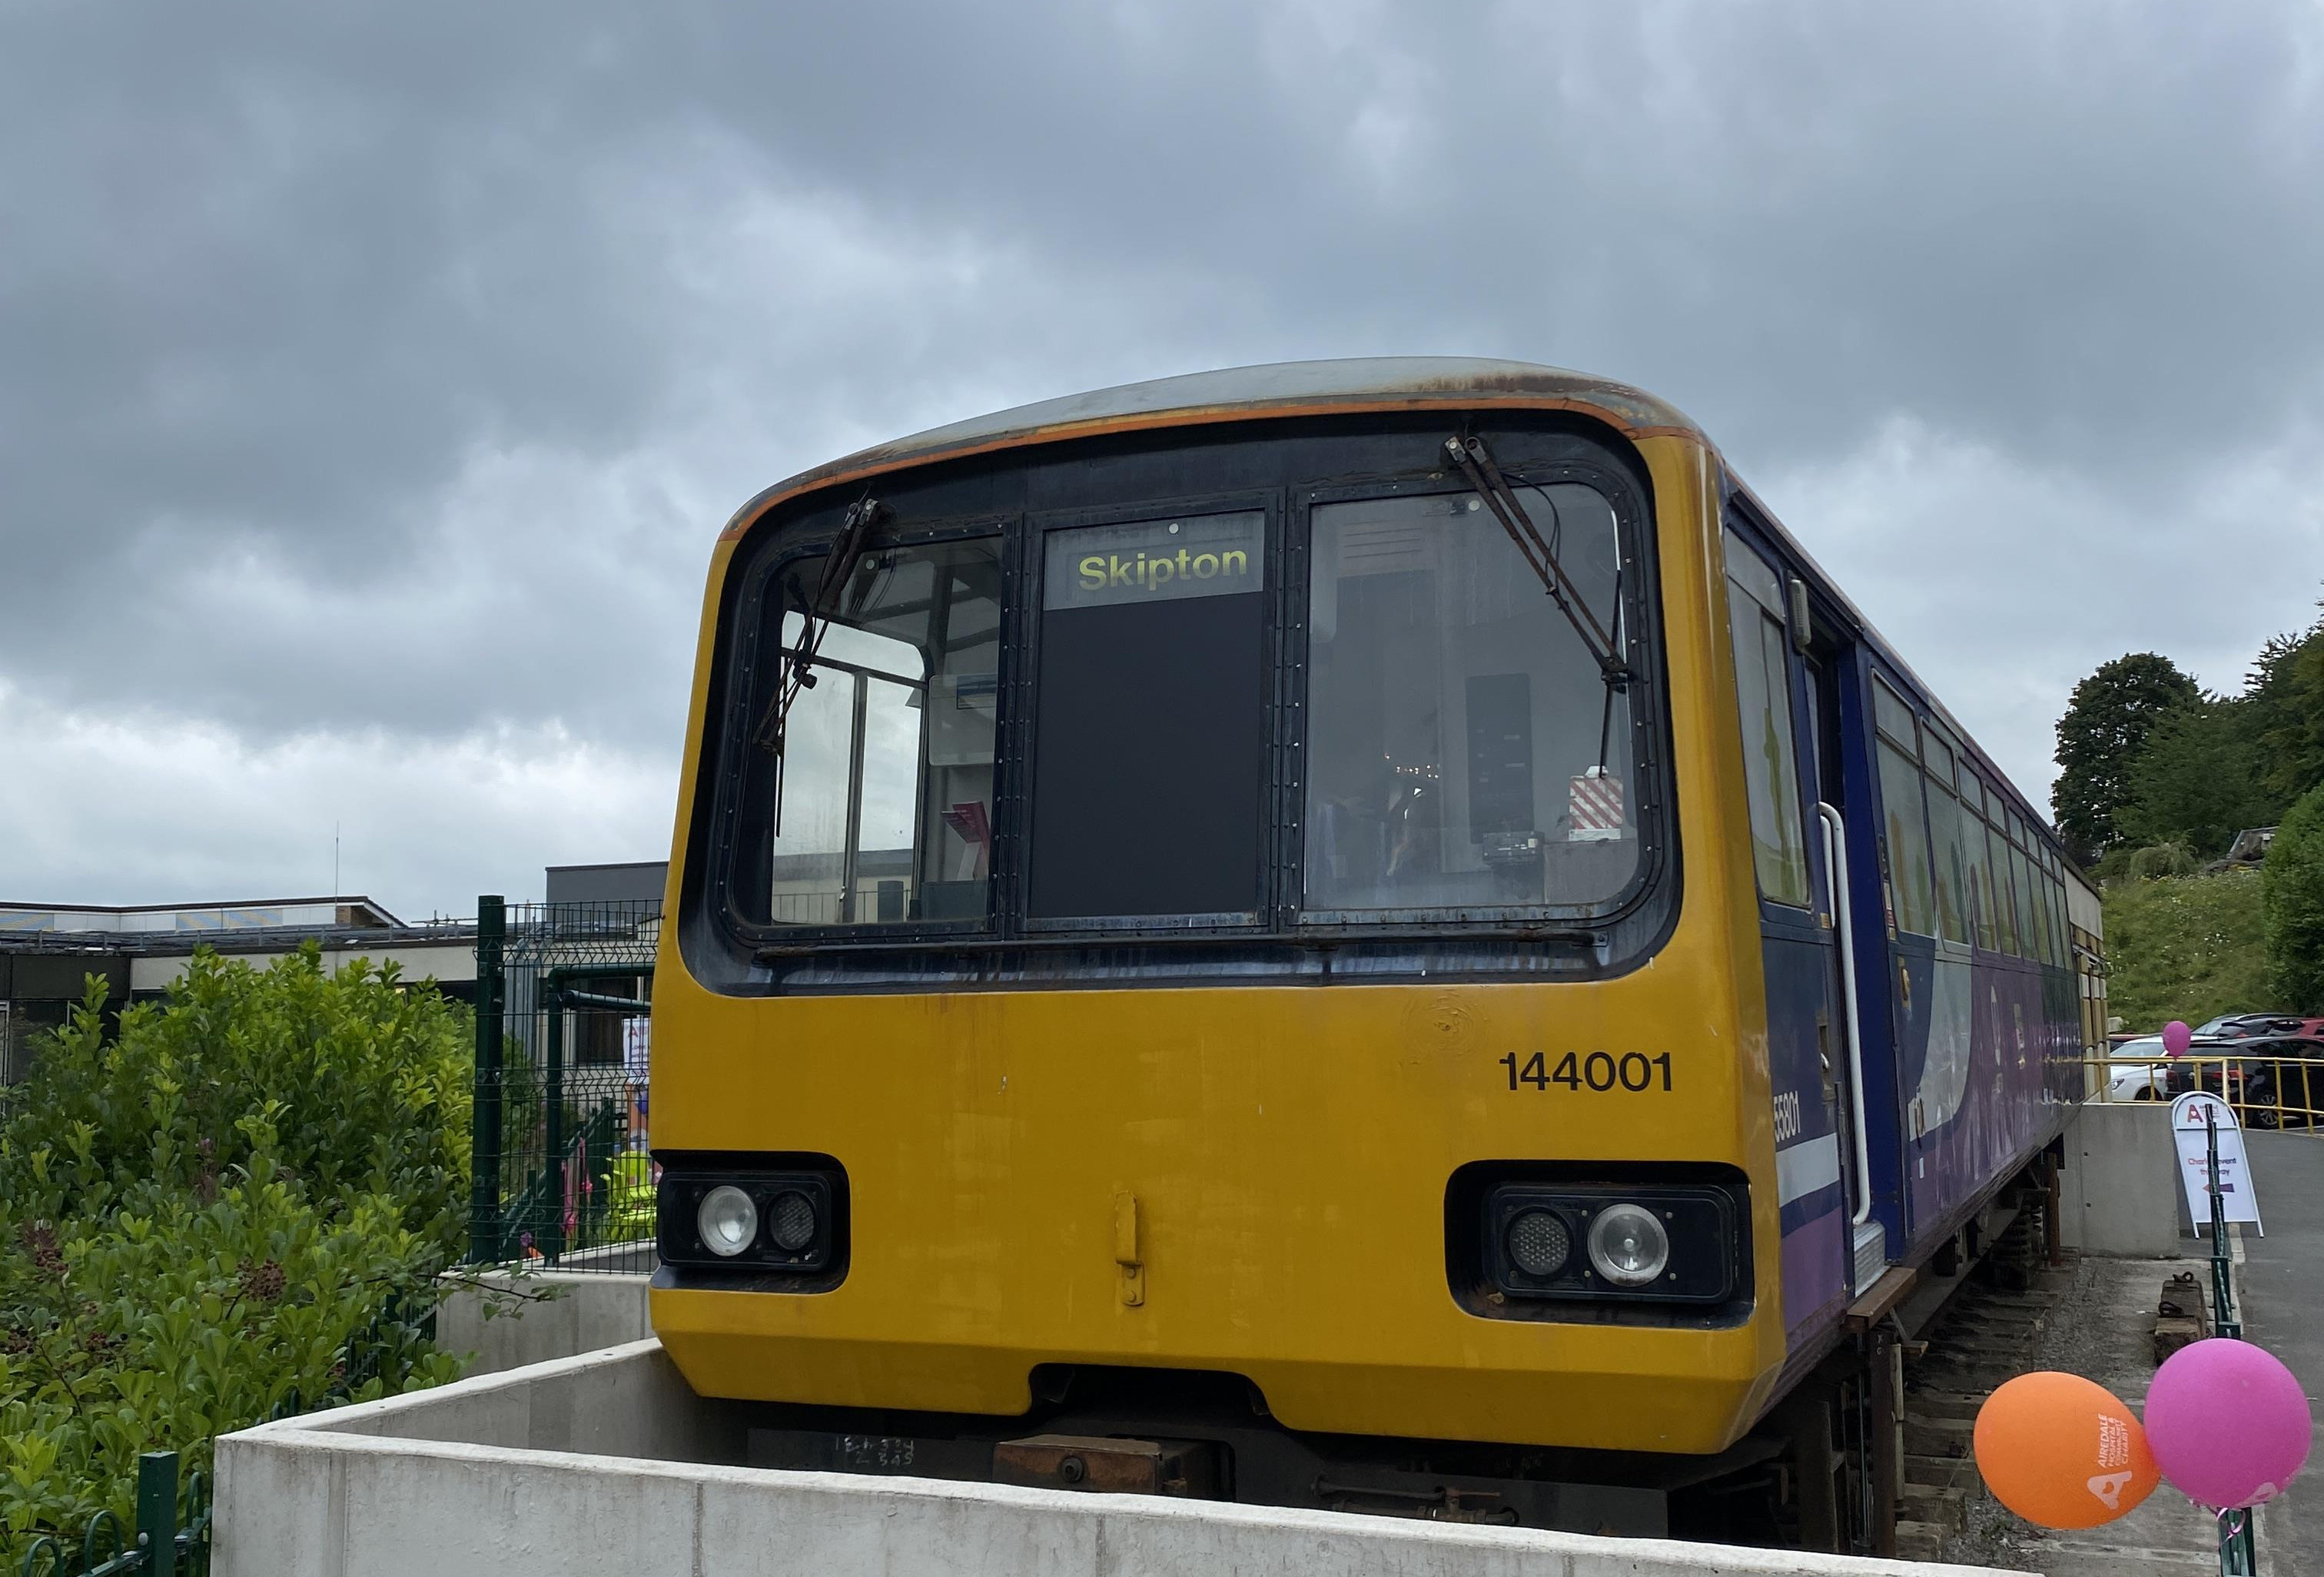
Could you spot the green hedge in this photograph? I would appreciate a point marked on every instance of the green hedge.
(240, 1198)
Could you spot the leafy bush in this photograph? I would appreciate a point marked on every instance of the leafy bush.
(2161, 860)
(2185, 947)
(2294, 882)
(371, 1082)
(247, 1195)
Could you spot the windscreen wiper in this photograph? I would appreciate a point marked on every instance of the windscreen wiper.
(794, 668)
(1475, 461)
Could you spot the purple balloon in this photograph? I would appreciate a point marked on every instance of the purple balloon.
(2227, 1422)
(2177, 1037)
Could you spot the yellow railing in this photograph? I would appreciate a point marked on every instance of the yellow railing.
(2266, 1091)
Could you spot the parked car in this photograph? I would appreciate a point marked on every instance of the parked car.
(2284, 1082)
(2246, 1026)
(2270, 1080)
(2138, 1080)
(2205, 1060)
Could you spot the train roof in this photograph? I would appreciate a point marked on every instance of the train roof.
(1276, 389)
(1337, 387)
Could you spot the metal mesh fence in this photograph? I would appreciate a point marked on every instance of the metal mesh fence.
(563, 1179)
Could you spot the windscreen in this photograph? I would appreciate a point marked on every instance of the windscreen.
(885, 810)
(1466, 752)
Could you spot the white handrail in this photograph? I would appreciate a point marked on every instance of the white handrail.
(1835, 865)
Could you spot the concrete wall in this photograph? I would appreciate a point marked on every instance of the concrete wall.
(608, 1463)
(583, 1314)
(2120, 1186)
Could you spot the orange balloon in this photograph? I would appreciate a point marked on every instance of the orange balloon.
(2062, 1452)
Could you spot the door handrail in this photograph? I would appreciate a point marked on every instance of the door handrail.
(1835, 865)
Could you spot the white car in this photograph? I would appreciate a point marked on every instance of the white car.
(2137, 1080)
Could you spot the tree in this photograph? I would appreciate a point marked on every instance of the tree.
(2197, 781)
(2105, 726)
(2286, 693)
(2293, 899)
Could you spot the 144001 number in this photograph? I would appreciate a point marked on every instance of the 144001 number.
(1601, 1071)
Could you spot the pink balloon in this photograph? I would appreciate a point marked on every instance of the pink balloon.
(2227, 1422)
(2176, 1038)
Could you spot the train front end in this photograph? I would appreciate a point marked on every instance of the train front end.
(1214, 912)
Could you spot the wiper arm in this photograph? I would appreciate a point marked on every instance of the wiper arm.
(794, 670)
(1476, 463)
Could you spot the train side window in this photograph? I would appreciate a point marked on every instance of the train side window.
(1150, 723)
(1910, 899)
(2046, 888)
(1996, 877)
(1464, 752)
(1974, 833)
(885, 812)
(1953, 889)
(1764, 695)
(2044, 909)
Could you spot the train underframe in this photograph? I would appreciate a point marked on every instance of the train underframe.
(1823, 1469)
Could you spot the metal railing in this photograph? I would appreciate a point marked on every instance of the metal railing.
(563, 1179)
(165, 1542)
(2266, 1091)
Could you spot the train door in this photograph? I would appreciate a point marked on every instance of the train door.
(1806, 1026)
(1859, 998)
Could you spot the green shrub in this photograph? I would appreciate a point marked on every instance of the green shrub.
(247, 1195)
(370, 1081)
(2160, 859)
(2294, 880)
(2185, 947)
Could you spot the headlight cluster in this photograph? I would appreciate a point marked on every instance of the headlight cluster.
(1668, 1244)
(762, 1220)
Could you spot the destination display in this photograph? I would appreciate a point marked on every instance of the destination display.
(1146, 561)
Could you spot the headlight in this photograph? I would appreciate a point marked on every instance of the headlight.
(790, 1222)
(719, 1212)
(1538, 1242)
(1627, 1245)
(729, 1221)
(1595, 1240)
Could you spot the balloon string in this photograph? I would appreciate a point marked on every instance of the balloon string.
(2231, 1525)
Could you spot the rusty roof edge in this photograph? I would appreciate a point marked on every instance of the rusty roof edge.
(1273, 389)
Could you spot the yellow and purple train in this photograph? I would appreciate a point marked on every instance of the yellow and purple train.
(1363, 934)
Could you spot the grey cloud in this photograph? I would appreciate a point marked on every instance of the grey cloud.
(391, 368)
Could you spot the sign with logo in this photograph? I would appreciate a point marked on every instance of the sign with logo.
(2187, 1131)
(1151, 562)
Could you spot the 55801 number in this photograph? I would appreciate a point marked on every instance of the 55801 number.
(1601, 1071)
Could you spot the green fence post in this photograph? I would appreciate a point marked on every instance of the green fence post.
(552, 1236)
(484, 1122)
(157, 1511)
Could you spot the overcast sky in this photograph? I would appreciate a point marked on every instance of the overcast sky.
(374, 380)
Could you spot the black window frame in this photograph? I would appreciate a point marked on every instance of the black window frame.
(742, 704)
(732, 955)
(1633, 530)
(1033, 593)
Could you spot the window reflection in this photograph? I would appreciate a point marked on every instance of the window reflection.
(888, 759)
(1464, 752)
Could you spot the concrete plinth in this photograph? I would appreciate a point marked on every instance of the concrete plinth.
(607, 1463)
(538, 1317)
(2120, 1186)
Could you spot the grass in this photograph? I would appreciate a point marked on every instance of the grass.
(2184, 947)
